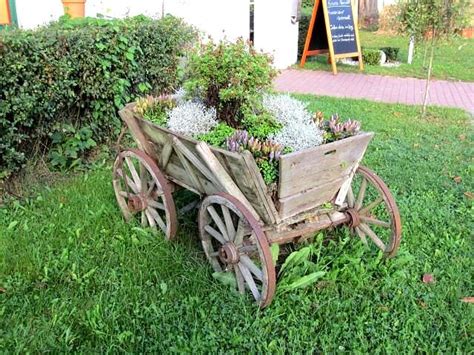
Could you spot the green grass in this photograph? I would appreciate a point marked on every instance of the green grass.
(76, 277)
(453, 60)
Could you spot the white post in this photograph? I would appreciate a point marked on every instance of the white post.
(411, 49)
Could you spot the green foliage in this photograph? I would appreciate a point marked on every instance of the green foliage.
(392, 53)
(371, 56)
(154, 109)
(69, 145)
(439, 18)
(269, 170)
(453, 52)
(259, 123)
(229, 77)
(80, 72)
(218, 135)
(76, 278)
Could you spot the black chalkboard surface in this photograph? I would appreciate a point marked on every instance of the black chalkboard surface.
(341, 22)
(332, 30)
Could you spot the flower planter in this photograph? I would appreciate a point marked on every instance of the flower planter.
(319, 188)
(74, 8)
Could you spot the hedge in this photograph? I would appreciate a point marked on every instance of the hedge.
(79, 73)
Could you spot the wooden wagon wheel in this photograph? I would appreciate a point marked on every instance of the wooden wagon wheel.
(235, 243)
(141, 189)
(373, 211)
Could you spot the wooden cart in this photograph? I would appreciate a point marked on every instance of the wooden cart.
(239, 219)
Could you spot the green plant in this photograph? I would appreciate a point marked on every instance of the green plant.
(269, 170)
(371, 56)
(74, 276)
(392, 53)
(258, 122)
(69, 145)
(80, 72)
(299, 270)
(229, 77)
(154, 109)
(218, 135)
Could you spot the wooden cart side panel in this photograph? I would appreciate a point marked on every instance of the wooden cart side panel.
(313, 177)
(310, 168)
(184, 172)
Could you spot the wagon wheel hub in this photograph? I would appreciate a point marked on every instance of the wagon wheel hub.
(229, 254)
(137, 203)
(354, 220)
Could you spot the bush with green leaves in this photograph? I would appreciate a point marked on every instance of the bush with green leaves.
(80, 73)
(392, 53)
(371, 56)
(229, 77)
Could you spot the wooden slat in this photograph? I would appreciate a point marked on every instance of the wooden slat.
(305, 200)
(307, 169)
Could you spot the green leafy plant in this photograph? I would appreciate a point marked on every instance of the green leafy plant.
(392, 53)
(298, 270)
(69, 145)
(154, 109)
(218, 135)
(269, 170)
(80, 72)
(229, 77)
(371, 56)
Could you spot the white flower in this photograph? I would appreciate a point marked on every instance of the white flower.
(299, 136)
(299, 131)
(286, 109)
(192, 119)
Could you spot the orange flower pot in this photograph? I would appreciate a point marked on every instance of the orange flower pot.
(74, 8)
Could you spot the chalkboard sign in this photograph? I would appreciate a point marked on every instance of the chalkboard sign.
(341, 23)
(332, 30)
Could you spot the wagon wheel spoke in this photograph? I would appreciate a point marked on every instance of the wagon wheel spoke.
(374, 215)
(234, 242)
(239, 234)
(370, 220)
(133, 171)
(249, 264)
(371, 234)
(228, 222)
(371, 206)
(350, 197)
(361, 235)
(240, 281)
(250, 282)
(143, 191)
(217, 219)
(129, 182)
(360, 197)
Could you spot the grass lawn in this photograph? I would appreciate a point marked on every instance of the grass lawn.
(74, 276)
(453, 60)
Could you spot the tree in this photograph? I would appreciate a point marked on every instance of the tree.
(429, 21)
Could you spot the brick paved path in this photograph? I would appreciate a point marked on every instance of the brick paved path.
(377, 88)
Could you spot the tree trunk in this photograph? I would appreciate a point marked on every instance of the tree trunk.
(428, 78)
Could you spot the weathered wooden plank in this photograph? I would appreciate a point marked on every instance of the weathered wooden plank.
(305, 200)
(223, 177)
(307, 169)
(260, 187)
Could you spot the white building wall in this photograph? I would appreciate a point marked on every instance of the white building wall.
(221, 19)
(275, 32)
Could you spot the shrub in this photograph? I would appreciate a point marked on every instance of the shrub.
(392, 53)
(371, 56)
(80, 72)
(229, 77)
